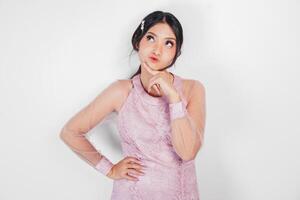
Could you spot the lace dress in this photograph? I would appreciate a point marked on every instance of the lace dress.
(145, 126)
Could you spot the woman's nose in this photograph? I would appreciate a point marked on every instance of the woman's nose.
(157, 49)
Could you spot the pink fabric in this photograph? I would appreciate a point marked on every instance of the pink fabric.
(176, 110)
(163, 135)
(144, 124)
(104, 165)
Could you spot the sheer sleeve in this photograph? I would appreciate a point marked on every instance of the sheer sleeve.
(188, 123)
(74, 132)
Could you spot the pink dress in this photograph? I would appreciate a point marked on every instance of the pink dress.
(149, 129)
(145, 132)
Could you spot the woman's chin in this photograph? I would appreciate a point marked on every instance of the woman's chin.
(152, 66)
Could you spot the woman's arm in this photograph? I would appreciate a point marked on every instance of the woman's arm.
(74, 131)
(188, 124)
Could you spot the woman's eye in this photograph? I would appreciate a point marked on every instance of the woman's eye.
(149, 37)
(169, 42)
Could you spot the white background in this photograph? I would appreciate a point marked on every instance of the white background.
(56, 56)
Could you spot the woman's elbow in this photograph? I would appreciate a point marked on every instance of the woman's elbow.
(62, 134)
(188, 157)
(191, 155)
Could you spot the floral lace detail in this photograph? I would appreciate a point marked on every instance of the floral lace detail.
(145, 132)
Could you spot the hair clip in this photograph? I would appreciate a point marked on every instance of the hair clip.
(142, 25)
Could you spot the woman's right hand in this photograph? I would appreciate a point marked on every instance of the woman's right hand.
(127, 165)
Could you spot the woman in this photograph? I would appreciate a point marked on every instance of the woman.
(161, 120)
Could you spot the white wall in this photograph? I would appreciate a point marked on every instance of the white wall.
(55, 56)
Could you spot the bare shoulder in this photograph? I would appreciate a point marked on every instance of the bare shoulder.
(122, 88)
(192, 87)
(124, 85)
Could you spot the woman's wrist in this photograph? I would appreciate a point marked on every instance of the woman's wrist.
(104, 165)
(110, 173)
(176, 110)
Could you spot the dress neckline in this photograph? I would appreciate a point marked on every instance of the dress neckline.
(146, 96)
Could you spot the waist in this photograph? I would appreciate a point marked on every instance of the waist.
(159, 179)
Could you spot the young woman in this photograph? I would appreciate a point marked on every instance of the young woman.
(161, 120)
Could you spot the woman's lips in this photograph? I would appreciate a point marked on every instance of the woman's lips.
(153, 59)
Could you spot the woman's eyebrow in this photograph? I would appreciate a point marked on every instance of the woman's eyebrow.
(165, 38)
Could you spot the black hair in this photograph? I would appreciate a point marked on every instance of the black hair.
(149, 21)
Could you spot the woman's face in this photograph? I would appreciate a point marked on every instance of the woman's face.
(158, 46)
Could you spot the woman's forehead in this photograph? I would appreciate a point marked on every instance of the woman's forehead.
(162, 30)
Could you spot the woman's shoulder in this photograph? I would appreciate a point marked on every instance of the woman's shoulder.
(122, 88)
(191, 82)
(192, 86)
(124, 85)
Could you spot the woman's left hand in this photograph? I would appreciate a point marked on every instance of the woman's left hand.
(164, 87)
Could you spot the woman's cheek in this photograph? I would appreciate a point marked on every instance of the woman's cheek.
(142, 55)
